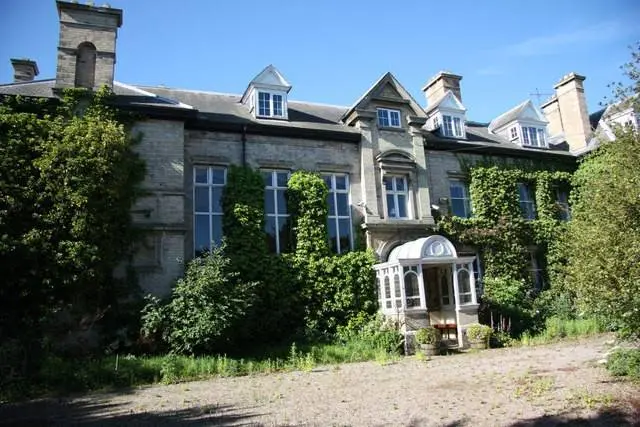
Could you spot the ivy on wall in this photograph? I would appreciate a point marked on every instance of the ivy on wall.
(504, 237)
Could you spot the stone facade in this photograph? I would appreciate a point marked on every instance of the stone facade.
(186, 129)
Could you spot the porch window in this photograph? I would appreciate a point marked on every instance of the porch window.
(397, 290)
(445, 289)
(411, 287)
(387, 292)
(464, 287)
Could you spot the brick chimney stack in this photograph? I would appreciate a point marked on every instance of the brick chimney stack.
(440, 84)
(24, 70)
(567, 112)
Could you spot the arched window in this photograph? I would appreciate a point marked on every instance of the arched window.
(86, 65)
(464, 287)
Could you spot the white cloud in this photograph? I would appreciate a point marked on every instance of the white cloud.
(550, 44)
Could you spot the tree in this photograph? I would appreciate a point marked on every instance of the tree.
(68, 179)
(604, 234)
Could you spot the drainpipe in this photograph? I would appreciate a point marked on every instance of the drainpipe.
(244, 145)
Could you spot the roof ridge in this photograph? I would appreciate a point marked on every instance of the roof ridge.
(187, 90)
(27, 83)
(321, 104)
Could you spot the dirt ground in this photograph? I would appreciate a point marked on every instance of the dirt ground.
(559, 384)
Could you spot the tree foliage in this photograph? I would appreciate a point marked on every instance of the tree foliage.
(68, 179)
(604, 237)
(604, 241)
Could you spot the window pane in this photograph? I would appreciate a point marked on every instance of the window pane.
(387, 288)
(391, 206)
(341, 182)
(282, 202)
(464, 285)
(400, 184)
(269, 206)
(201, 175)
(202, 199)
(343, 204)
(458, 208)
(331, 206)
(270, 230)
(267, 177)
(345, 234)
(201, 228)
(327, 181)
(284, 234)
(277, 105)
(456, 126)
(411, 285)
(395, 118)
(457, 191)
(217, 176)
(402, 206)
(388, 182)
(333, 233)
(264, 107)
(216, 227)
(283, 177)
(216, 199)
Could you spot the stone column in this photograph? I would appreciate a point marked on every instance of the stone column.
(423, 201)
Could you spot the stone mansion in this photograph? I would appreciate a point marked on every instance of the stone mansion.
(391, 162)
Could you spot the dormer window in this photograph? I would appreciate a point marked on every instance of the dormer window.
(270, 104)
(451, 126)
(388, 118)
(533, 137)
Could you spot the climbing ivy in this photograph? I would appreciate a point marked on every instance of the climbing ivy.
(504, 237)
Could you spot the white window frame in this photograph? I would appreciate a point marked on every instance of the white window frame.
(271, 104)
(449, 127)
(513, 133)
(444, 274)
(466, 200)
(472, 291)
(335, 216)
(533, 136)
(279, 217)
(212, 211)
(386, 114)
(395, 193)
(412, 270)
(530, 201)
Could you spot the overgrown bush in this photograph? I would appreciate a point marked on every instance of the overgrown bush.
(373, 330)
(68, 179)
(625, 363)
(203, 307)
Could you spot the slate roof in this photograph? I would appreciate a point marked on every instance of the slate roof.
(594, 118)
(509, 116)
(211, 108)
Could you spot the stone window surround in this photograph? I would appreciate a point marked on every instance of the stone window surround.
(398, 163)
(277, 215)
(334, 192)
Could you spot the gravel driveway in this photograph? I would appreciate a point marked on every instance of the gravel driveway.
(559, 384)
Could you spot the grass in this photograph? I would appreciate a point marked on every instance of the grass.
(60, 376)
(557, 328)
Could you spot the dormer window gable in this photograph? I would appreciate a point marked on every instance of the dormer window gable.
(447, 115)
(523, 125)
(266, 95)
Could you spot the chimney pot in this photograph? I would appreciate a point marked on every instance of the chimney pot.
(24, 70)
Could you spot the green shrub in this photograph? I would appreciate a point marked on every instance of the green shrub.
(373, 332)
(625, 363)
(477, 332)
(428, 335)
(203, 306)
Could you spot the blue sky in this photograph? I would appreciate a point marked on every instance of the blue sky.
(332, 51)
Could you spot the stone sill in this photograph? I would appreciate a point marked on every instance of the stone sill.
(377, 223)
(391, 129)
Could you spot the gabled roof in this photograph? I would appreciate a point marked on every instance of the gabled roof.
(269, 78)
(447, 101)
(376, 91)
(523, 111)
